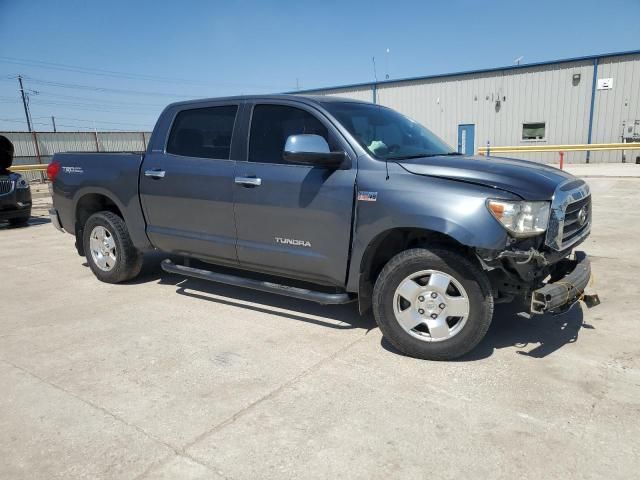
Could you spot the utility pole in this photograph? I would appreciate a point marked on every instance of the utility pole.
(53, 121)
(24, 103)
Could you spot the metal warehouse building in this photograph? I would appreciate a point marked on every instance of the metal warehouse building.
(594, 99)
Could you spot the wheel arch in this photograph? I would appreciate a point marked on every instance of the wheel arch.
(86, 205)
(389, 243)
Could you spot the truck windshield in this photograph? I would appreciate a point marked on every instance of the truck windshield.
(387, 134)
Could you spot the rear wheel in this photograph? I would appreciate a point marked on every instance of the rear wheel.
(109, 250)
(433, 304)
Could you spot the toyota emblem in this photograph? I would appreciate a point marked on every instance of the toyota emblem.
(582, 216)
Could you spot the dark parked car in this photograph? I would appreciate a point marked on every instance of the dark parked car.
(335, 200)
(15, 193)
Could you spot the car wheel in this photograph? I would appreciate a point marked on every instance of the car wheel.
(109, 250)
(432, 304)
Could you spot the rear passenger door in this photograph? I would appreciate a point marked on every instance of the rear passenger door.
(293, 220)
(187, 189)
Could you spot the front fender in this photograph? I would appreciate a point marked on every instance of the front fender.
(452, 208)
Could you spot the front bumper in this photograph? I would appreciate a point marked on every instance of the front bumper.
(567, 285)
(16, 203)
(18, 211)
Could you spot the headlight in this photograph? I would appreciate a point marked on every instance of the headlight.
(22, 183)
(522, 219)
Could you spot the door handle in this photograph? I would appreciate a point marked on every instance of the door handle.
(154, 173)
(248, 181)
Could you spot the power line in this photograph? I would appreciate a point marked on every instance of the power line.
(98, 121)
(66, 126)
(96, 108)
(129, 75)
(99, 104)
(101, 100)
(94, 88)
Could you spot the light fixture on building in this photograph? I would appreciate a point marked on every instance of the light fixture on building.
(576, 79)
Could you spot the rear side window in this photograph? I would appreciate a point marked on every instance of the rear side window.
(203, 132)
(271, 125)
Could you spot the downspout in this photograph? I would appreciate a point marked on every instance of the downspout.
(593, 102)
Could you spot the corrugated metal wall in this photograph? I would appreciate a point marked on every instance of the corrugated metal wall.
(614, 106)
(50, 143)
(546, 93)
(499, 103)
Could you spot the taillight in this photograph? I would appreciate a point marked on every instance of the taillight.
(53, 169)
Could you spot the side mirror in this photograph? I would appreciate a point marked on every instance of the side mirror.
(310, 149)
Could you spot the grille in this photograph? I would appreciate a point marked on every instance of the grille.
(570, 219)
(574, 225)
(6, 185)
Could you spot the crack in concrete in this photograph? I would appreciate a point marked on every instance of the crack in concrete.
(240, 413)
(182, 452)
(139, 429)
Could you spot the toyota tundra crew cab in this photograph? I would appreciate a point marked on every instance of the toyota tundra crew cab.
(333, 200)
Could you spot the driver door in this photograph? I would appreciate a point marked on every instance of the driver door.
(292, 220)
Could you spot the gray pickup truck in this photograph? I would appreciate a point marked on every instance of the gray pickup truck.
(333, 200)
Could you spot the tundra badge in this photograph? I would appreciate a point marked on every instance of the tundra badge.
(293, 241)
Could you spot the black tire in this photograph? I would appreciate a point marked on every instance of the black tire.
(20, 221)
(128, 259)
(471, 277)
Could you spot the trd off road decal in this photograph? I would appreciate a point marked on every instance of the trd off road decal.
(367, 196)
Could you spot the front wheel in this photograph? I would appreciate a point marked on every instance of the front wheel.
(432, 303)
(109, 249)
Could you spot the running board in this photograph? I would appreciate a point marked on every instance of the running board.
(295, 292)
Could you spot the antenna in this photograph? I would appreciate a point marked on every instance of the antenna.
(387, 63)
(375, 74)
(518, 60)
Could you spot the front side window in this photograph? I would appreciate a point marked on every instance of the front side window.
(387, 134)
(203, 132)
(271, 125)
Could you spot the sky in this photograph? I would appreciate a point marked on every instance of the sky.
(113, 65)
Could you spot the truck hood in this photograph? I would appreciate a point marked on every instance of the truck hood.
(529, 180)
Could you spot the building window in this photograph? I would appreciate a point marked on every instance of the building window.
(533, 131)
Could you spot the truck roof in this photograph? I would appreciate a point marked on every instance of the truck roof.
(318, 99)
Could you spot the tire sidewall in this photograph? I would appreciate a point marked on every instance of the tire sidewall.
(470, 277)
(104, 219)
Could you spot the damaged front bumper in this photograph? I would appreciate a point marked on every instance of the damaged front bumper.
(568, 281)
